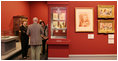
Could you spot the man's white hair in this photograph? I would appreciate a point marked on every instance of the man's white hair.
(35, 19)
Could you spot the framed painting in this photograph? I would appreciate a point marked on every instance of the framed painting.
(84, 19)
(105, 11)
(106, 26)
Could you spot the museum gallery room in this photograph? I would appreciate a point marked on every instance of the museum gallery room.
(76, 30)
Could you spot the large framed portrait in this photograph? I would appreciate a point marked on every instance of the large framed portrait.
(105, 11)
(106, 26)
(84, 19)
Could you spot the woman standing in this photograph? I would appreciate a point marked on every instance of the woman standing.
(45, 35)
(24, 40)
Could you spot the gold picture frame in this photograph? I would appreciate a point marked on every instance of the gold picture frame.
(106, 26)
(105, 11)
(85, 13)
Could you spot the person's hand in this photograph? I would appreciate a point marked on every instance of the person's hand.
(24, 31)
(45, 37)
(42, 35)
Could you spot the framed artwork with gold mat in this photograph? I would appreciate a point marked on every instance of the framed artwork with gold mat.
(105, 11)
(106, 26)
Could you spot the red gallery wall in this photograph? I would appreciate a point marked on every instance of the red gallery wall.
(39, 9)
(10, 9)
(79, 41)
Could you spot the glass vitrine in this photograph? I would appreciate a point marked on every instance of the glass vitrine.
(58, 22)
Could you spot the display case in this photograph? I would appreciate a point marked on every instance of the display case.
(58, 42)
(58, 23)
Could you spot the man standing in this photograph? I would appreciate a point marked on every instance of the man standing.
(36, 33)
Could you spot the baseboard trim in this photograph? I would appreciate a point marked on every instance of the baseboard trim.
(93, 57)
(87, 57)
(58, 58)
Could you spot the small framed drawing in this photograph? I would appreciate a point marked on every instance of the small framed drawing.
(105, 11)
(84, 19)
(55, 24)
(106, 26)
(62, 16)
(62, 24)
(55, 16)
